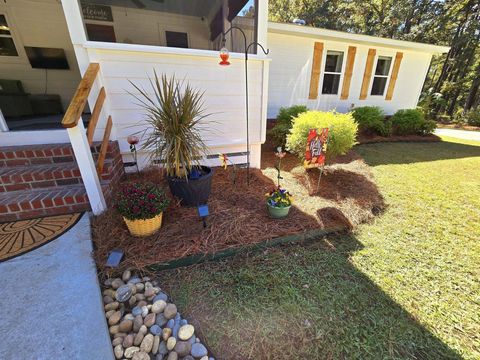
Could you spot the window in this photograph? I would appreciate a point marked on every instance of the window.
(97, 32)
(7, 46)
(176, 39)
(333, 71)
(381, 75)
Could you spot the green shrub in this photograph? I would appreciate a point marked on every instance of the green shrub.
(286, 114)
(473, 117)
(342, 133)
(284, 123)
(428, 127)
(409, 122)
(371, 119)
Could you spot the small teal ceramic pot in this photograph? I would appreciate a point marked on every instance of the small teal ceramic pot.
(278, 212)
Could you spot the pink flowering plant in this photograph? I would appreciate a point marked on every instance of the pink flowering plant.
(139, 201)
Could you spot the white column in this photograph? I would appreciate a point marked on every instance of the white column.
(262, 24)
(83, 155)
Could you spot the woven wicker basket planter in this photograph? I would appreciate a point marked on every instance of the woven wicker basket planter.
(145, 227)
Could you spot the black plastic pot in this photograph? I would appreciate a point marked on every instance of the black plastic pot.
(192, 192)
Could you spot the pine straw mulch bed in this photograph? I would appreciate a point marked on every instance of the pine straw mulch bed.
(348, 196)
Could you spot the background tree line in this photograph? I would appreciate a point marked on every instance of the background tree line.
(451, 90)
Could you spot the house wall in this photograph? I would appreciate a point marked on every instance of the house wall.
(291, 67)
(223, 87)
(39, 23)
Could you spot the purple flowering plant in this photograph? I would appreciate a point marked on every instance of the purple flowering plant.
(139, 201)
(279, 198)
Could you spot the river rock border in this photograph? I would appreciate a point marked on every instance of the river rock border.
(144, 325)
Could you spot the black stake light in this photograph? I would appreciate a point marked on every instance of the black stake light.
(224, 55)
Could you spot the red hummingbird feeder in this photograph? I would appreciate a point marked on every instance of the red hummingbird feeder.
(224, 55)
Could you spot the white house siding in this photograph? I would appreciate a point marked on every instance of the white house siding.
(291, 68)
(223, 87)
(39, 23)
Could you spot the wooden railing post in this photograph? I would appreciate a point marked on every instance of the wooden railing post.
(83, 155)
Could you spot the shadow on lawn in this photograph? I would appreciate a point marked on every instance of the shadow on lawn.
(299, 302)
(407, 153)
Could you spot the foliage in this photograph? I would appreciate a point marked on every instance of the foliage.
(428, 127)
(341, 137)
(472, 117)
(284, 123)
(410, 122)
(366, 295)
(371, 119)
(137, 201)
(279, 198)
(429, 102)
(287, 114)
(174, 114)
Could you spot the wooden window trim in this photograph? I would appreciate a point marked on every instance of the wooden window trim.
(316, 70)
(367, 75)
(347, 78)
(394, 75)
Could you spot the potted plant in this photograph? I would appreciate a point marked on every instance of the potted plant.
(279, 202)
(142, 206)
(174, 113)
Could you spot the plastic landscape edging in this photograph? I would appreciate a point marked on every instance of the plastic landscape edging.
(305, 237)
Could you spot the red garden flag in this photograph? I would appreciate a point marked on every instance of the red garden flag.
(316, 148)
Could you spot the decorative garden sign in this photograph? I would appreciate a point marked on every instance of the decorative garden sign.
(97, 12)
(316, 148)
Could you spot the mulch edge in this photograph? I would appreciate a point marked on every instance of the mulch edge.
(305, 237)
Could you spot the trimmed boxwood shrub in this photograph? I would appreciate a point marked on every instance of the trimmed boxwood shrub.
(371, 119)
(410, 122)
(342, 133)
(284, 123)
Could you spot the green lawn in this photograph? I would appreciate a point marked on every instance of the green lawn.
(404, 287)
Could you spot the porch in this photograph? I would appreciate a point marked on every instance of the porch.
(179, 39)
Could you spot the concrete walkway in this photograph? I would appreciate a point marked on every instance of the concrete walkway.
(459, 134)
(51, 306)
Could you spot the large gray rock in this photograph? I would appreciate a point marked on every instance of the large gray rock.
(130, 351)
(183, 348)
(147, 343)
(170, 311)
(118, 351)
(141, 355)
(172, 356)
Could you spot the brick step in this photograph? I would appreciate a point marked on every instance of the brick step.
(16, 178)
(19, 205)
(48, 154)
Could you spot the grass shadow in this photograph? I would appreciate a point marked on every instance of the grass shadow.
(299, 302)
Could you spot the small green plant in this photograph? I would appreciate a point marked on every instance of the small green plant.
(138, 201)
(472, 117)
(284, 123)
(174, 114)
(410, 122)
(371, 119)
(341, 137)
